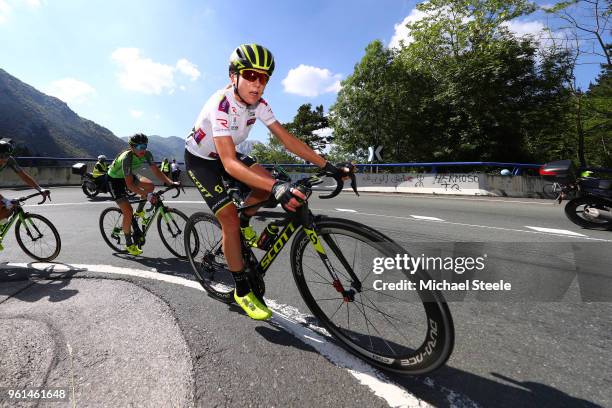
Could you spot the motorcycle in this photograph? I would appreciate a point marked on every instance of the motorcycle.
(591, 206)
(92, 186)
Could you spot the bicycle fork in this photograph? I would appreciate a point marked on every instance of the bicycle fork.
(347, 295)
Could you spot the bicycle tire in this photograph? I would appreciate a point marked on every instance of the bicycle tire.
(172, 227)
(572, 212)
(55, 249)
(434, 341)
(208, 262)
(118, 242)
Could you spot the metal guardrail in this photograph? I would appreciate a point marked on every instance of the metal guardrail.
(516, 167)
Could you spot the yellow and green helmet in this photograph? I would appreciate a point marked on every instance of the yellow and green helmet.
(252, 56)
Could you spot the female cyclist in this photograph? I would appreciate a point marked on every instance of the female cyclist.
(210, 152)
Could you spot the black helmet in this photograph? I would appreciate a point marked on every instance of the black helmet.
(6, 146)
(252, 56)
(138, 138)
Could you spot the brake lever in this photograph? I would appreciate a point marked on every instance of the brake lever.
(45, 198)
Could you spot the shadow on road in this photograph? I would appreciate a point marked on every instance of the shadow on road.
(486, 392)
(168, 266)
(32, 284)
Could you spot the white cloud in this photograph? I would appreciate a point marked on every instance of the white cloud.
(70, 90)
(144, 75)
(136, 113)
(524, 28)
(402, 32)
(33, 3)
(5, 10)
(325, 132)
(187, 68)
(311, 81)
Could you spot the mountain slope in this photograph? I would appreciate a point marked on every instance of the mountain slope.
(46, 126)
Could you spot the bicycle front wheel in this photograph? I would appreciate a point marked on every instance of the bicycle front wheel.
(111, 222)
(408, 331)
(171, 228)
(38, 237)
(205, 253)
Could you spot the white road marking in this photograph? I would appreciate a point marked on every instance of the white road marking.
(446, 197)
(556, 231)
(474, 226)
(298, 324)
(423, 217)
(345, 210)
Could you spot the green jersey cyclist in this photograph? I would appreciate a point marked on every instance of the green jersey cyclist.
(210, 153)
(8, 162)
(122, 175)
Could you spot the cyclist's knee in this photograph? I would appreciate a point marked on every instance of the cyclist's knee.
(228, 217)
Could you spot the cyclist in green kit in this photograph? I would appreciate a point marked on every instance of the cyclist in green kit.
(122, 176)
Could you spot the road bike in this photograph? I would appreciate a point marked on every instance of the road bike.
(170, 225)
(408, 332)
(35, 234)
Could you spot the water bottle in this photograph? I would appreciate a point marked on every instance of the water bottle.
(267, 237)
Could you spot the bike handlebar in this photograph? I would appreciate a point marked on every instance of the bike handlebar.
(45, 196)
(308, 182)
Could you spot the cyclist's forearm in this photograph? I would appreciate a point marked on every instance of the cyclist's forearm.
(296, 146)
(160, 176)
(239, 171)
(29, 180)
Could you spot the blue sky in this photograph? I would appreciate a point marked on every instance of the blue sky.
(149, 66)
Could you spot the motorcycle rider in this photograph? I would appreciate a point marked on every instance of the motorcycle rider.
(99, 171)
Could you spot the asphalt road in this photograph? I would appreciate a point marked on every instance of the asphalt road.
(140, 331)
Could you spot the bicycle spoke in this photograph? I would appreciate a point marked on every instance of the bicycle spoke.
(341, 303)
(396, 329)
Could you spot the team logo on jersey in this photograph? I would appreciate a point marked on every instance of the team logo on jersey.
(199, 135)
(233, 121)
(224, 105)
(251, 121)
(223, 122)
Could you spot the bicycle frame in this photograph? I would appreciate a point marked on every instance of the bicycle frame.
(303, 218)
(17, 214)
(159, 208)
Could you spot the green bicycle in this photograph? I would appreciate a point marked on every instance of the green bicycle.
(409, 332)
(35, 234)
(170, 225)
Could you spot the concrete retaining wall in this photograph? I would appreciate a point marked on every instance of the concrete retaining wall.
(416, 183)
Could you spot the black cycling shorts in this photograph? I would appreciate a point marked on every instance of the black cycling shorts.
(207, 175)
(118, 188)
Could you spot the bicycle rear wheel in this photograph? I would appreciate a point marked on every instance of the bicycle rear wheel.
(38, 237)
(409, 331)
(205, 254)
(111, 221)
(171, 229)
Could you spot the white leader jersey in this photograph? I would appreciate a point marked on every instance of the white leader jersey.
(223, 115)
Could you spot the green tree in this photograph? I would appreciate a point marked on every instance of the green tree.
(273, 152)
(463, 88)
(305, 124)
(581, 37)
(598, 120)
